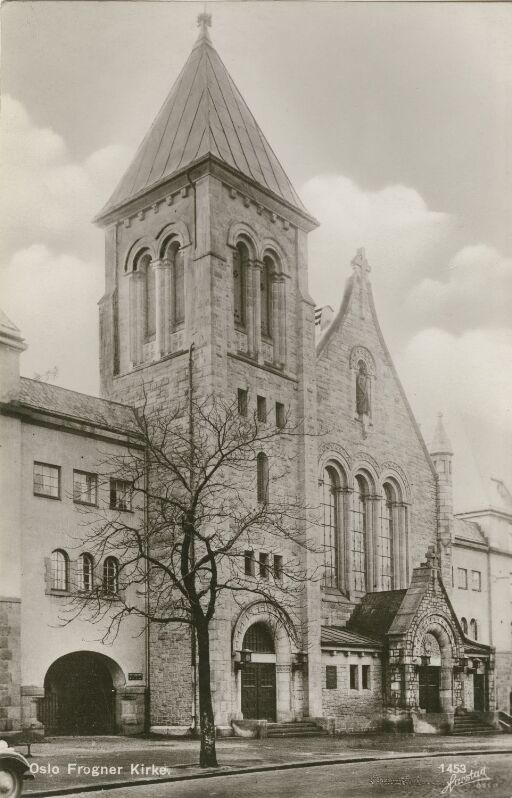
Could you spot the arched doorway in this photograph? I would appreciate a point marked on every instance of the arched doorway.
(259, 676)
(429, 677)
(79, 695)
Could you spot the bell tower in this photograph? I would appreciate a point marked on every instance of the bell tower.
(206, 244)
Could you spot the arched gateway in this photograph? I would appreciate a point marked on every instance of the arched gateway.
(80, 693)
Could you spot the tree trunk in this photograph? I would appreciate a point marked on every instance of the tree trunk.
(208, 755)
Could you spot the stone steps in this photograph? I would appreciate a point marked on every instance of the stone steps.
(470, 725)
(295, 729)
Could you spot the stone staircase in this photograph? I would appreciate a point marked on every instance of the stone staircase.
(469, 724)
(302, 728)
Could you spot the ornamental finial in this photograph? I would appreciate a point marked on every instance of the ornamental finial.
(359, 262)
(204, 21)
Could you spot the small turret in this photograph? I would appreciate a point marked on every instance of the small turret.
(11, 346)
(441, 452)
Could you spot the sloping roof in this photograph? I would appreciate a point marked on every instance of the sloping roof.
(338, 636)
(71, 404)
(375, 614)
(203, 114)
(468, 531)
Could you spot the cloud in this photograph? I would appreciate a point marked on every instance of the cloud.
(53, 299)
(466, 374)
(475, 292)
(46, 195)
(394, 224)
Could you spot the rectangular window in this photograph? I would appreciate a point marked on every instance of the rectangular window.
(249, 563)
(476, 580)
(463, 578)
(280, 415)
(47, 480)
(261, 408)
(278, 566)
(120, 494)
(331, 677)
(365, 677)
(263, 561)
(354, 680)
(85, 487)
(242, 402)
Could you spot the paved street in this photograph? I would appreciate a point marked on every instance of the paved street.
(420, 778)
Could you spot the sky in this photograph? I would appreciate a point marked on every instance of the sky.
(393, 121)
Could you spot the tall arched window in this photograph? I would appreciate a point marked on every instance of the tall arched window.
(85, 571)
(360, 529)
(266, 296)
(60, 570)
(330, 524)
(110, 576)
(386, 538)
(473, 629)
(240, 259)
(262, 477)
(178, 298)
(142, 264)
(464, 624)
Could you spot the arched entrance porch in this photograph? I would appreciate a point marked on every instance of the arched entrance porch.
(433, 653)
(80, 694)
(268, 688)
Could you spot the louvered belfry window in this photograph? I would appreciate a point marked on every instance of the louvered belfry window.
(240, 258)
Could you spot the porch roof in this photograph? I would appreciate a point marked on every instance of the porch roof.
(340, 637)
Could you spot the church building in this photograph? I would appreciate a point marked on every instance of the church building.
(206, 244)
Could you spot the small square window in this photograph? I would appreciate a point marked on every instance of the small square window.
(280, 415)
(242, 402)
(462, 575)
(278, 566)
(46, 480)
(120, 494)
(263, 562)
(85, 487)
(476, 580)
(249, 563)
(354, 677)
(331, 677)
(261, 408)
(365, 677)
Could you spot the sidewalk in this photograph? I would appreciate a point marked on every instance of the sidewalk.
(67, 764)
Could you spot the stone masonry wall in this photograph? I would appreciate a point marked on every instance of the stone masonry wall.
(10, 709)
(353, 709)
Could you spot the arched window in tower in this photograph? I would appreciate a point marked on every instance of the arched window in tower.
(362, 389)
(240, 259)
(464, 624)
(267, 272)
(262, 477)
(473, 629)
(110, 576)
(360, 530)
(387, 538)
(85, 571)
(179, 288)
(143, 265)
(330, 524)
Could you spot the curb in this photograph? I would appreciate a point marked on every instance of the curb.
(240, 771)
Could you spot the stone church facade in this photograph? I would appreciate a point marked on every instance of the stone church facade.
(206, 245)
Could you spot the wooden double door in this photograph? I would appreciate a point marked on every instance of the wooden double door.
(429, 686)
(259, 691)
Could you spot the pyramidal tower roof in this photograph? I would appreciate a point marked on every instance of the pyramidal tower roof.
(203, 115)
(440, 443)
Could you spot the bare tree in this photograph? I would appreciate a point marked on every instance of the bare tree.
(205, 491)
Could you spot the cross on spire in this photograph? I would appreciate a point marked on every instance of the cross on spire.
(204, 21)
(359, 262)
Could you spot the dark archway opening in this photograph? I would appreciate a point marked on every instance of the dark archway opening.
(79, 696)
(259, 676)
